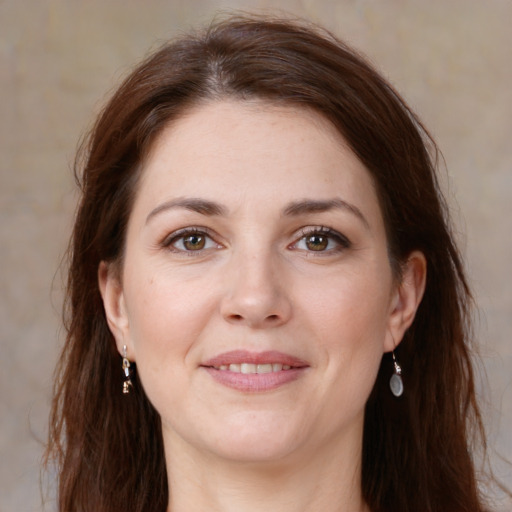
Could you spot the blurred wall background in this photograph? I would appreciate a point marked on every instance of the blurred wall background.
(58, 59)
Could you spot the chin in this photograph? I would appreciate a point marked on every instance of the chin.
(254, 441)
(255, 451)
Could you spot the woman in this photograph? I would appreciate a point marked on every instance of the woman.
(266, 306)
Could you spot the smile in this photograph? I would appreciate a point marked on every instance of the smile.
(248, 368)
(251, 372)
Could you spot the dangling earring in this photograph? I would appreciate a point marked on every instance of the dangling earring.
(127, 384)
(395, 383)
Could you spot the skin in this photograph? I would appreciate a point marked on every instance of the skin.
(262, 274)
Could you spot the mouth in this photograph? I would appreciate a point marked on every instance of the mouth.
(255, 372)
(250, 368)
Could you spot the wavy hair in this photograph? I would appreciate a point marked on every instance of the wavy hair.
(417, 450)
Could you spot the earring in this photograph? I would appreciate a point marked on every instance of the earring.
(395, 383)
(127, 384)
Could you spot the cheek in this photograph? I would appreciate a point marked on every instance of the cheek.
(166, 320)
(349, 307)
(349, 319)
(166, 317)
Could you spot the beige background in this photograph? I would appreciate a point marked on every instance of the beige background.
(452, 59)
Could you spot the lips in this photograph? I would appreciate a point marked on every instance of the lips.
(248, 368)
(255, 372)
(239, 357)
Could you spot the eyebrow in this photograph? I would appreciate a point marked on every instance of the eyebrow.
(302, 207)
(202, 206)
(306, 206)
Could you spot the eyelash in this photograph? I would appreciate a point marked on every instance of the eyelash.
(181, 234)
(341, 241)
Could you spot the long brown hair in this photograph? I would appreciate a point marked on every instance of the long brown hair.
(417, 450)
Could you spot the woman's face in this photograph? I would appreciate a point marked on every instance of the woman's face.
(257, 297)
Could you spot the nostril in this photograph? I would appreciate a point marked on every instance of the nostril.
(269, 318)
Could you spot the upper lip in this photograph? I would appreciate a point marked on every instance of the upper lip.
(244, 356)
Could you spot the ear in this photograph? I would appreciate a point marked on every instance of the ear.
(113, 301)
(406, 298)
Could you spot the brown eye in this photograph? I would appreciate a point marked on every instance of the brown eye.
(322, 240)
(190, 241)
(317, 242)
(194, 242)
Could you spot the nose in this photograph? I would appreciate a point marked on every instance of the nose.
(256, 294)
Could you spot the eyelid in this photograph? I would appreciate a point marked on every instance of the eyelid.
(173, 237)
(342, 240)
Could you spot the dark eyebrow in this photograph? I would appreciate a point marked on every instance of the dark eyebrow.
(316, 206)
(202, 206)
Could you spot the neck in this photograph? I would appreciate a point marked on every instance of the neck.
(327, 480)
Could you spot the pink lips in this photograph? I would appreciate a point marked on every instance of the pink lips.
(218, 368)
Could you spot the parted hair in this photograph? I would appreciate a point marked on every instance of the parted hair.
(417, 449)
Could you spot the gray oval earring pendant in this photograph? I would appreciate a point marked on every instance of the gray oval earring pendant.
(396, 385)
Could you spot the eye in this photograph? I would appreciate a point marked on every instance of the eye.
(190, 240)
(321, 239)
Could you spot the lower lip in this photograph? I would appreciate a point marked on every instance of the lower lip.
(255, 382)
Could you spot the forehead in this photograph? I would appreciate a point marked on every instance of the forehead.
(254, 151)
